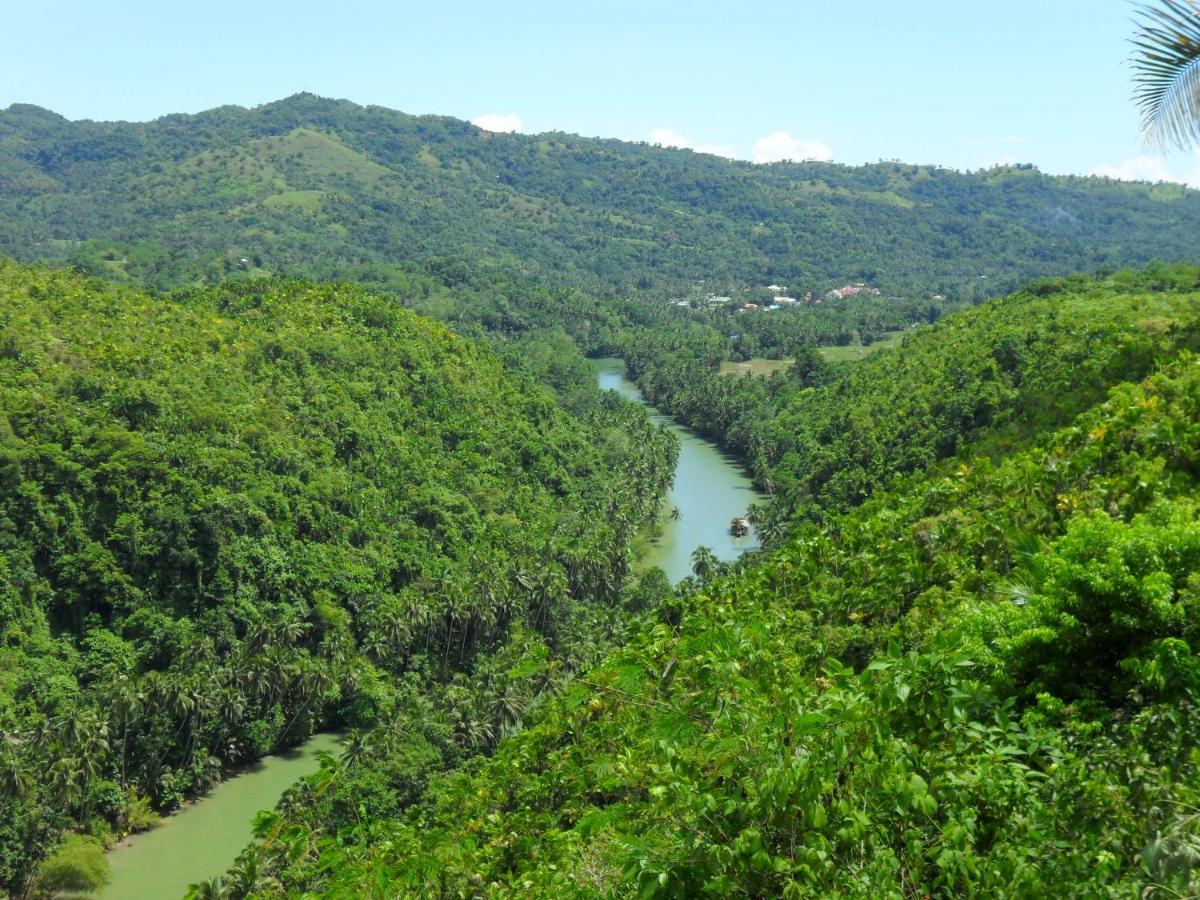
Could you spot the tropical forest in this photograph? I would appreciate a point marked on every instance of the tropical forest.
(400, 506)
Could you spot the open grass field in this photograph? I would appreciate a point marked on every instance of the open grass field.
(848, 353)
(852, 352)
(755, 366)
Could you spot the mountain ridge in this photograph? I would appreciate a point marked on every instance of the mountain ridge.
(604, 215)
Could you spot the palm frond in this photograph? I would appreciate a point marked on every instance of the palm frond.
(1167, 66)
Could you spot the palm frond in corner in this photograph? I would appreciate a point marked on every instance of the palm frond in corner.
(1167, 67)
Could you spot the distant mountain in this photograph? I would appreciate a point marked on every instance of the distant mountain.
(330, 188)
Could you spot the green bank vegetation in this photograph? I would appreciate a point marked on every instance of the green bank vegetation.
(249, 509)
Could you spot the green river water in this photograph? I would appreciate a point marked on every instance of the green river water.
(710, 489)
(203, 839)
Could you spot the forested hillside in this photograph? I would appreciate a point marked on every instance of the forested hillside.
(822, 437)
(232, 516)
(330, 189)
(980, 681)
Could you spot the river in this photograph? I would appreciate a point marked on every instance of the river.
(710, 490)
(203, 839)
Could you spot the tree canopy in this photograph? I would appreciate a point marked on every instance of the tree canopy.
(231, 516)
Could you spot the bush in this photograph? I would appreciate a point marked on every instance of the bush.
(1110, 591)
(78, 865)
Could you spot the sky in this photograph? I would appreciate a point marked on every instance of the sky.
(958, 83)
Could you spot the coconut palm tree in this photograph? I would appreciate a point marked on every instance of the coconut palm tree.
(125, 699)
(206, 890)
(1167, 67)
(704, 563)
(16, 781)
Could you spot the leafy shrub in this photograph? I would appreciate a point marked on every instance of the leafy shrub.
(78, 865)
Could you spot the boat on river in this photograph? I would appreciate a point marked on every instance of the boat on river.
(740, 526)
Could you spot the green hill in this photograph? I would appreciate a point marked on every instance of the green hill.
(316, 187)
(232, 516)
(980, 682)
(826, 437)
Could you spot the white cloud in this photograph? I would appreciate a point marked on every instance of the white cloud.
(498, 122)
(1149, 168)
(781, 145)
(668, 138)
(665, 137)
(1140, 168)
(772, 148)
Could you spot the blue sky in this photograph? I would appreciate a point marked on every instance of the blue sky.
(964, 84)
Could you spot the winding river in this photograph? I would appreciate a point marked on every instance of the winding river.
(204, 838)
(710, 490)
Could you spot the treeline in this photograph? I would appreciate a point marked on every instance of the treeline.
(232, 516)
(982, 680)
(822, 437)
(326, 189)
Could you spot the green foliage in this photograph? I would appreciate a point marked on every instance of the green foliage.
(77, 866)
(1110, 591)
(137, 814)
(1167, 66)
(1000, 373)
(234, 515)
(979, 682)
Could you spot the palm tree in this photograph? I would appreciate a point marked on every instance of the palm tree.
(16, 781)
(206, 890)
(67, 778)
(1167, 66)
(126, 701)
(704, 563)
(248, 876)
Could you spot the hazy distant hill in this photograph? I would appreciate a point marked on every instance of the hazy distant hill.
(328, 187)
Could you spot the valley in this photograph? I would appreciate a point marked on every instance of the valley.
(399, 506)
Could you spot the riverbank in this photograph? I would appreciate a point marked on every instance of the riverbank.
(202, 839)
(710, 489)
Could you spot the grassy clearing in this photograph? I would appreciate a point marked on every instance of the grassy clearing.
(319, 156)
(310, 200)
(848, 353)
(755, 366)
(852, 352)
